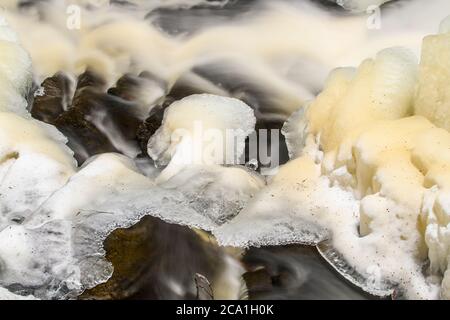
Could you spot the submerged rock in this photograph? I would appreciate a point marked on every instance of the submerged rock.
(89, 79)
(157, 260)
(148, 127)
(144, 89)
(52, 98)
(96, 121)
(294, 272)
(84, 138)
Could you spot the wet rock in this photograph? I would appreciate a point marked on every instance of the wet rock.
(89, 79)
(52, 98)
(83, 137)
(258, 280)
(145, 89)
(126, 88)
(157, 260)
(129, 250)
(115, 118)
(123, 118)
(96, 121)
(151, 124)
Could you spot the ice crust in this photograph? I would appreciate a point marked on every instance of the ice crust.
(370, 174)
(63, 239)
(201, 129)
(54, 217)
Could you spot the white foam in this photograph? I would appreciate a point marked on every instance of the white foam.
(361, 182)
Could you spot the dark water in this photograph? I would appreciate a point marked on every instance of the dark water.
(295, 272)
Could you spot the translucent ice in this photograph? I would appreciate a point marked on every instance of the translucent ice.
(201, 129)
(54, 217)
(57, 252)
(34, 161)
(218, 193)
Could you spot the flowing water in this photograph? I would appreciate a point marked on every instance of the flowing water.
(273, 55)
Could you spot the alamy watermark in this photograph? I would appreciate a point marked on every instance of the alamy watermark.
(373, 21)
(74, 13)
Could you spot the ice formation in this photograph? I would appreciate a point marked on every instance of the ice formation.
(34, 160)
(201, 129)
(6, 295)
(433, 100)
(55, 216)
(369, 180)
(218, 193)
(367, 184)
